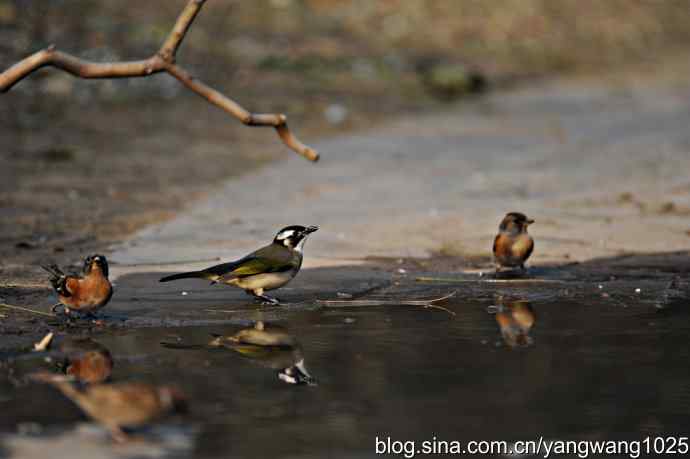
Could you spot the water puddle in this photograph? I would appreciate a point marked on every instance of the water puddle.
(327, 381)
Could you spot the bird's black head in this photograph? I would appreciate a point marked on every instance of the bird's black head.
(294, 236)
(515, 222)
(96, 262)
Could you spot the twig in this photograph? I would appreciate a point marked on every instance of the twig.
(225, 310)
(428, 304)
(162, 61)
(27, 285)
(44, 343)
(488, 281)
(20, 308)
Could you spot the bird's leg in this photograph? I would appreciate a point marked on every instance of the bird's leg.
(56, 306)
(91, 316)
(259, 293)
(117, 434)
(269, 299)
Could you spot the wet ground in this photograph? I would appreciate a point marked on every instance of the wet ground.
(586, 351)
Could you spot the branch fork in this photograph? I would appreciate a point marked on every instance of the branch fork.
(162, 61)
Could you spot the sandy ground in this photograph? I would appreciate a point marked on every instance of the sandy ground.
(602, 169)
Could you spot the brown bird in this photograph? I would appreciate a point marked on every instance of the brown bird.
(85, 293)
(86, 360)
(121, 405)
(513, 245)
(515, 319)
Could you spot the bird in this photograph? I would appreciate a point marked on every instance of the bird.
(515, 319)
(270, 346)
(513, 245)
(86, 360)
(85, 293)
(268, 268)
(120, 405)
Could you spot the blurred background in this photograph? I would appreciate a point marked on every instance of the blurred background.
(330, 65)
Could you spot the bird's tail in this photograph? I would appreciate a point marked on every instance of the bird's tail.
(188, 275)
(53, 270)
(57, 278)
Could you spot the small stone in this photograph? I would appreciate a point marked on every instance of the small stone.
(335, 114)
(185, 293)
(638, 290)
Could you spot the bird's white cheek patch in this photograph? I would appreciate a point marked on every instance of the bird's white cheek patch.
(286, 234)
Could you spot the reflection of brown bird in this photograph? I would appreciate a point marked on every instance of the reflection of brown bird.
(512, 245)
(86, 293)
(515, 319)
(87, 361)
(270, 346)
(121, 405)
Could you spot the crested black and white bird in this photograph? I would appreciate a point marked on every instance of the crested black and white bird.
(85, 293)
(268, 268)
(513, 245)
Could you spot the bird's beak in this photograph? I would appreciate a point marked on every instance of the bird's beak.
(311, 229)
(530, 221)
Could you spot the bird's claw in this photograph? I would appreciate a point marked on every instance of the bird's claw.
(268, 300)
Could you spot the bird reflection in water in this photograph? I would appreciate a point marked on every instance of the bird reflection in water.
(269, 346)
(119, 406)
(515, 319)
(86, 360)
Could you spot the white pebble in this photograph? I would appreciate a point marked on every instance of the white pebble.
(335, 113)
(185, 293)
(638, 290)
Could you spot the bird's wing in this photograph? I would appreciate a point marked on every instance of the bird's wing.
(530, 248)
(69, 287)
(258, 265)
(264, 260)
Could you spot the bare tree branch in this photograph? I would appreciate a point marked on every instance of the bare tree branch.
(162, 61)
(169, 48)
